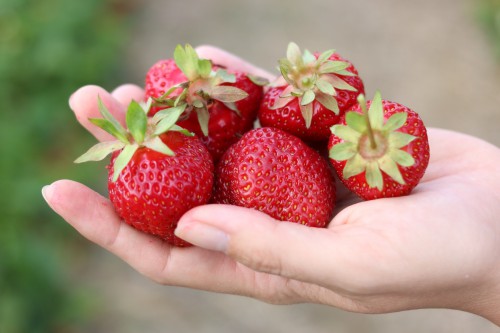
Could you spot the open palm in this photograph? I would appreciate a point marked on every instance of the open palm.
(436, 247)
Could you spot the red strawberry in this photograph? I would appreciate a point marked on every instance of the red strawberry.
(275, 172)
(158, 170)
(312, 94)
(221, 105)
(163, 75)
(380, 152)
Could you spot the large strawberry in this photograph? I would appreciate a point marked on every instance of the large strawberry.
(158, 171)
(275, 172)
(379, 152)
(220, 105)
(312, 94)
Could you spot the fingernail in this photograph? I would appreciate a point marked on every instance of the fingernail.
(46, 191)
(203, 235)
(70, 101)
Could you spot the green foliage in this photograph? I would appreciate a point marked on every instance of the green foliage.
(48, 49)
(488, 13)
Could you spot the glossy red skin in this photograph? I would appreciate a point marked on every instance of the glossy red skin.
(155, 190)
(289, 118)
(225, 126)
(276, 173)
(418, 148)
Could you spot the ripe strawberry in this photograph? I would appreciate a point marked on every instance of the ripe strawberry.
(163, 75)
(158, 171)
(275, 172)
(312, 94)
(380, 152)
(220, 105)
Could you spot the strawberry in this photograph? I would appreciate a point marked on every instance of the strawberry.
(163, 75)
(311, 95)
(220, 105)
(275, 172)
(157, 172)
(379, 152)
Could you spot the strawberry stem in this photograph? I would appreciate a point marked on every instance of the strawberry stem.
(371, 137)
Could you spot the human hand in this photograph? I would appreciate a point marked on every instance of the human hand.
(437, 247)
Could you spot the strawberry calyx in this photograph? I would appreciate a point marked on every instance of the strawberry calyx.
(310, 78)
(142, 131)
(203, 86)
(258, 80)
(372, 145)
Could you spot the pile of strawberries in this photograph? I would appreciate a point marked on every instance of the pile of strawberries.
(194, 140)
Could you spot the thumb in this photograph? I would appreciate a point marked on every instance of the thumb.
(258, 241)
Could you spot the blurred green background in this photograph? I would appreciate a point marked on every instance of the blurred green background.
(47, 50)
(441, 57)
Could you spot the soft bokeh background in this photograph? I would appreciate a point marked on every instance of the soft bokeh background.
(440, 57)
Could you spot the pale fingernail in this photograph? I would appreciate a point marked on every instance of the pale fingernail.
(203, 235)
(70, 101)
(46, 192)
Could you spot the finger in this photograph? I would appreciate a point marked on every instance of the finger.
(127, 93)
(348, 264)
(93, 216)
(231, 61)
(351, 260)
(84, 103)
(258, 241)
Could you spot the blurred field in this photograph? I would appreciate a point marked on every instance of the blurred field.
(439, 57)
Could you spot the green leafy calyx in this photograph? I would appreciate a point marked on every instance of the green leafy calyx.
(312, 79)
(204, 85)
(372, 145)
(141, 132)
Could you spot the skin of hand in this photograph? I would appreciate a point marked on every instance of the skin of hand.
(438, 247)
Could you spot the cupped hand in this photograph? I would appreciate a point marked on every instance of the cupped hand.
(437, 247)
